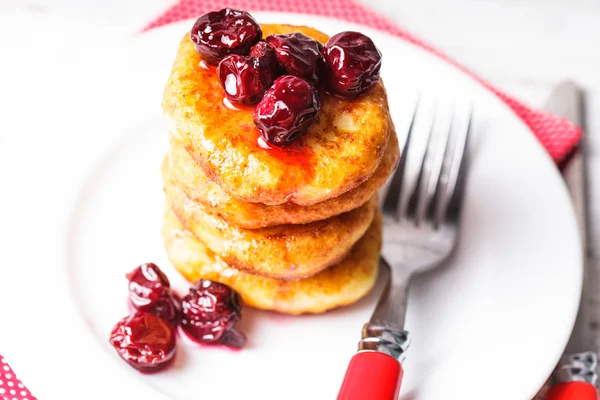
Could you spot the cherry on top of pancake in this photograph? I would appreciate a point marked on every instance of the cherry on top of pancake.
(339, 151)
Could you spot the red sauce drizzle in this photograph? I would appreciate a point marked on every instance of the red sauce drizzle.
(204, 65)
(295, 154)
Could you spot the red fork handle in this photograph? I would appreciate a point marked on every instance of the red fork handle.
(572, 391)
(371, 375)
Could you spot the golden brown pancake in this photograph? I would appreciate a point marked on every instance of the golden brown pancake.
(280, 252)
(340, 285)
(184, 173)
(340, 151)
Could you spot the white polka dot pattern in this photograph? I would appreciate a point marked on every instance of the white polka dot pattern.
(10, 385)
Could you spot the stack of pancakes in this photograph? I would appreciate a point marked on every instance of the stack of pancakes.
(295, 229)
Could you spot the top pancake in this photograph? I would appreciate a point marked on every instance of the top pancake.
(339, 151)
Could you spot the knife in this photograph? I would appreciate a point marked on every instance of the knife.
(575, 376)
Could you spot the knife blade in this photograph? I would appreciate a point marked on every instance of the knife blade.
(576, 373)
(568, 100)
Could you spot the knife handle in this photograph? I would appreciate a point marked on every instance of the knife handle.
(572, 391)
(575, 377)
(371, 375)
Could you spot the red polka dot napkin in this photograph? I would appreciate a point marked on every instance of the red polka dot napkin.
(10, 387)
(556, 134)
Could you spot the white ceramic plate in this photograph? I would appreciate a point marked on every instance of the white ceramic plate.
(490, 324)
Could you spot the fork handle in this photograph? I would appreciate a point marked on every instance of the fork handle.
(371, 375)
(375, 372)
(572, 391)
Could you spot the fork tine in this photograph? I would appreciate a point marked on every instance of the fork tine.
(414, 207)
(452, 180)
(432, 167)
(391, 202)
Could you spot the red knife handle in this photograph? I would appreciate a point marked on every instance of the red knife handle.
(575, 377)
(371, 375)
(572, 391)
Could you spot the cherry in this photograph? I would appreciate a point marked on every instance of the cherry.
(263, 50)
(267, 60)
(167, 307)
(243, 79)
(149, 291)
(145, 341)
(219, 33)
(209, 313)
(352, 64)
(146, 284)
(299, 55)
(286, 110)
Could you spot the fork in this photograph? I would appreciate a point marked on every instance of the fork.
(421, 223)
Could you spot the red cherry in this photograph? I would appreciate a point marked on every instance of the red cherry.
(286, 110)
(146, 284)
(242, 79)
(299, 55)
(210, 311)
(267, 60)
(145, 341)
(352, 64)
(149, 291)
(219, 33)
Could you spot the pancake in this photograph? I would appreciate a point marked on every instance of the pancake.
(280, 252)
(184, 173)
(340, 285)
(340, 151)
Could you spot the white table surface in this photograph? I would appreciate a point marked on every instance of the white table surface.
(524, 47)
